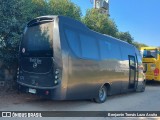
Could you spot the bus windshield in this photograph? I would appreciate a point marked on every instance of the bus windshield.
(38, 40)
(150, 53)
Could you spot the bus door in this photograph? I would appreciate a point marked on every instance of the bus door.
(132, 72)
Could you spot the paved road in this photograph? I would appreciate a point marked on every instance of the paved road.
(145, 101)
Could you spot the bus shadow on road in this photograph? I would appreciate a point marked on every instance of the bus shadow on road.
(123, 95)
(152, 83)
(37, 100)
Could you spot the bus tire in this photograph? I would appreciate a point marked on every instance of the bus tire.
(102, 95)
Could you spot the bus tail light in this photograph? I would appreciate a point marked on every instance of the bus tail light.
(156, 72)
(46, 92)
(56, 76)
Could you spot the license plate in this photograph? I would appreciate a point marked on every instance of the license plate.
(32, 90)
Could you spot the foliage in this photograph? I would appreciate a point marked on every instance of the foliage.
(139, 45)
(16, 13)
(125, 36)
(11, 23)
(100, 22)
(103, 24)
(65, 8)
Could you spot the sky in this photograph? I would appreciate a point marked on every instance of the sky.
(140, 17)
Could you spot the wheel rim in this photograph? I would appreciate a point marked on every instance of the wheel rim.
(102, 94)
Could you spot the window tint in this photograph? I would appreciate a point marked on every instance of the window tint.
(105, 49)
(89, 47)
(38, 40)
(39, 37)
(109, 50)
(127, 50)
(73, 41)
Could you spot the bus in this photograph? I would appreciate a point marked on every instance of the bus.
(62, 59)
(151, 62)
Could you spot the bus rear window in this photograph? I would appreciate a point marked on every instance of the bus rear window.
(38, 38)
(150, 54)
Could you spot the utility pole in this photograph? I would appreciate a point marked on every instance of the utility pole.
(102, 5)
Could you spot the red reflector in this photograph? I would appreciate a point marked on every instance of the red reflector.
(47, 92)
(156, 72)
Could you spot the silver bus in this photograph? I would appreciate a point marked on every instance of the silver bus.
(61, 59)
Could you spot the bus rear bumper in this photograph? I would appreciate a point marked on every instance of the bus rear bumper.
(151, 77)
(44, 93)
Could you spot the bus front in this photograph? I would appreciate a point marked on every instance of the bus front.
(37, 72)
(151, 62)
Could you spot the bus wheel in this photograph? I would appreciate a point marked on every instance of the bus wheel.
(102, 95)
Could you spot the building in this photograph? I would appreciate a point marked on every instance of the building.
(103, 5)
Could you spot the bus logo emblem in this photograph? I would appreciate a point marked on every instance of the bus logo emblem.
(34, 65)
(35, 62)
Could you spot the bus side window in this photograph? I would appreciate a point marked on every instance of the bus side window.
(126, 51)
(73, 41)
(105, 48)
(109, 50)
(89, 47)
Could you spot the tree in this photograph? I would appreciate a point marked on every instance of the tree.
(125, 36)
(100, 22)
(38, 8)
(14, 16)
(11, 25)
(64, 7)
(103, 24)
(139, 45)
(16, 13)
